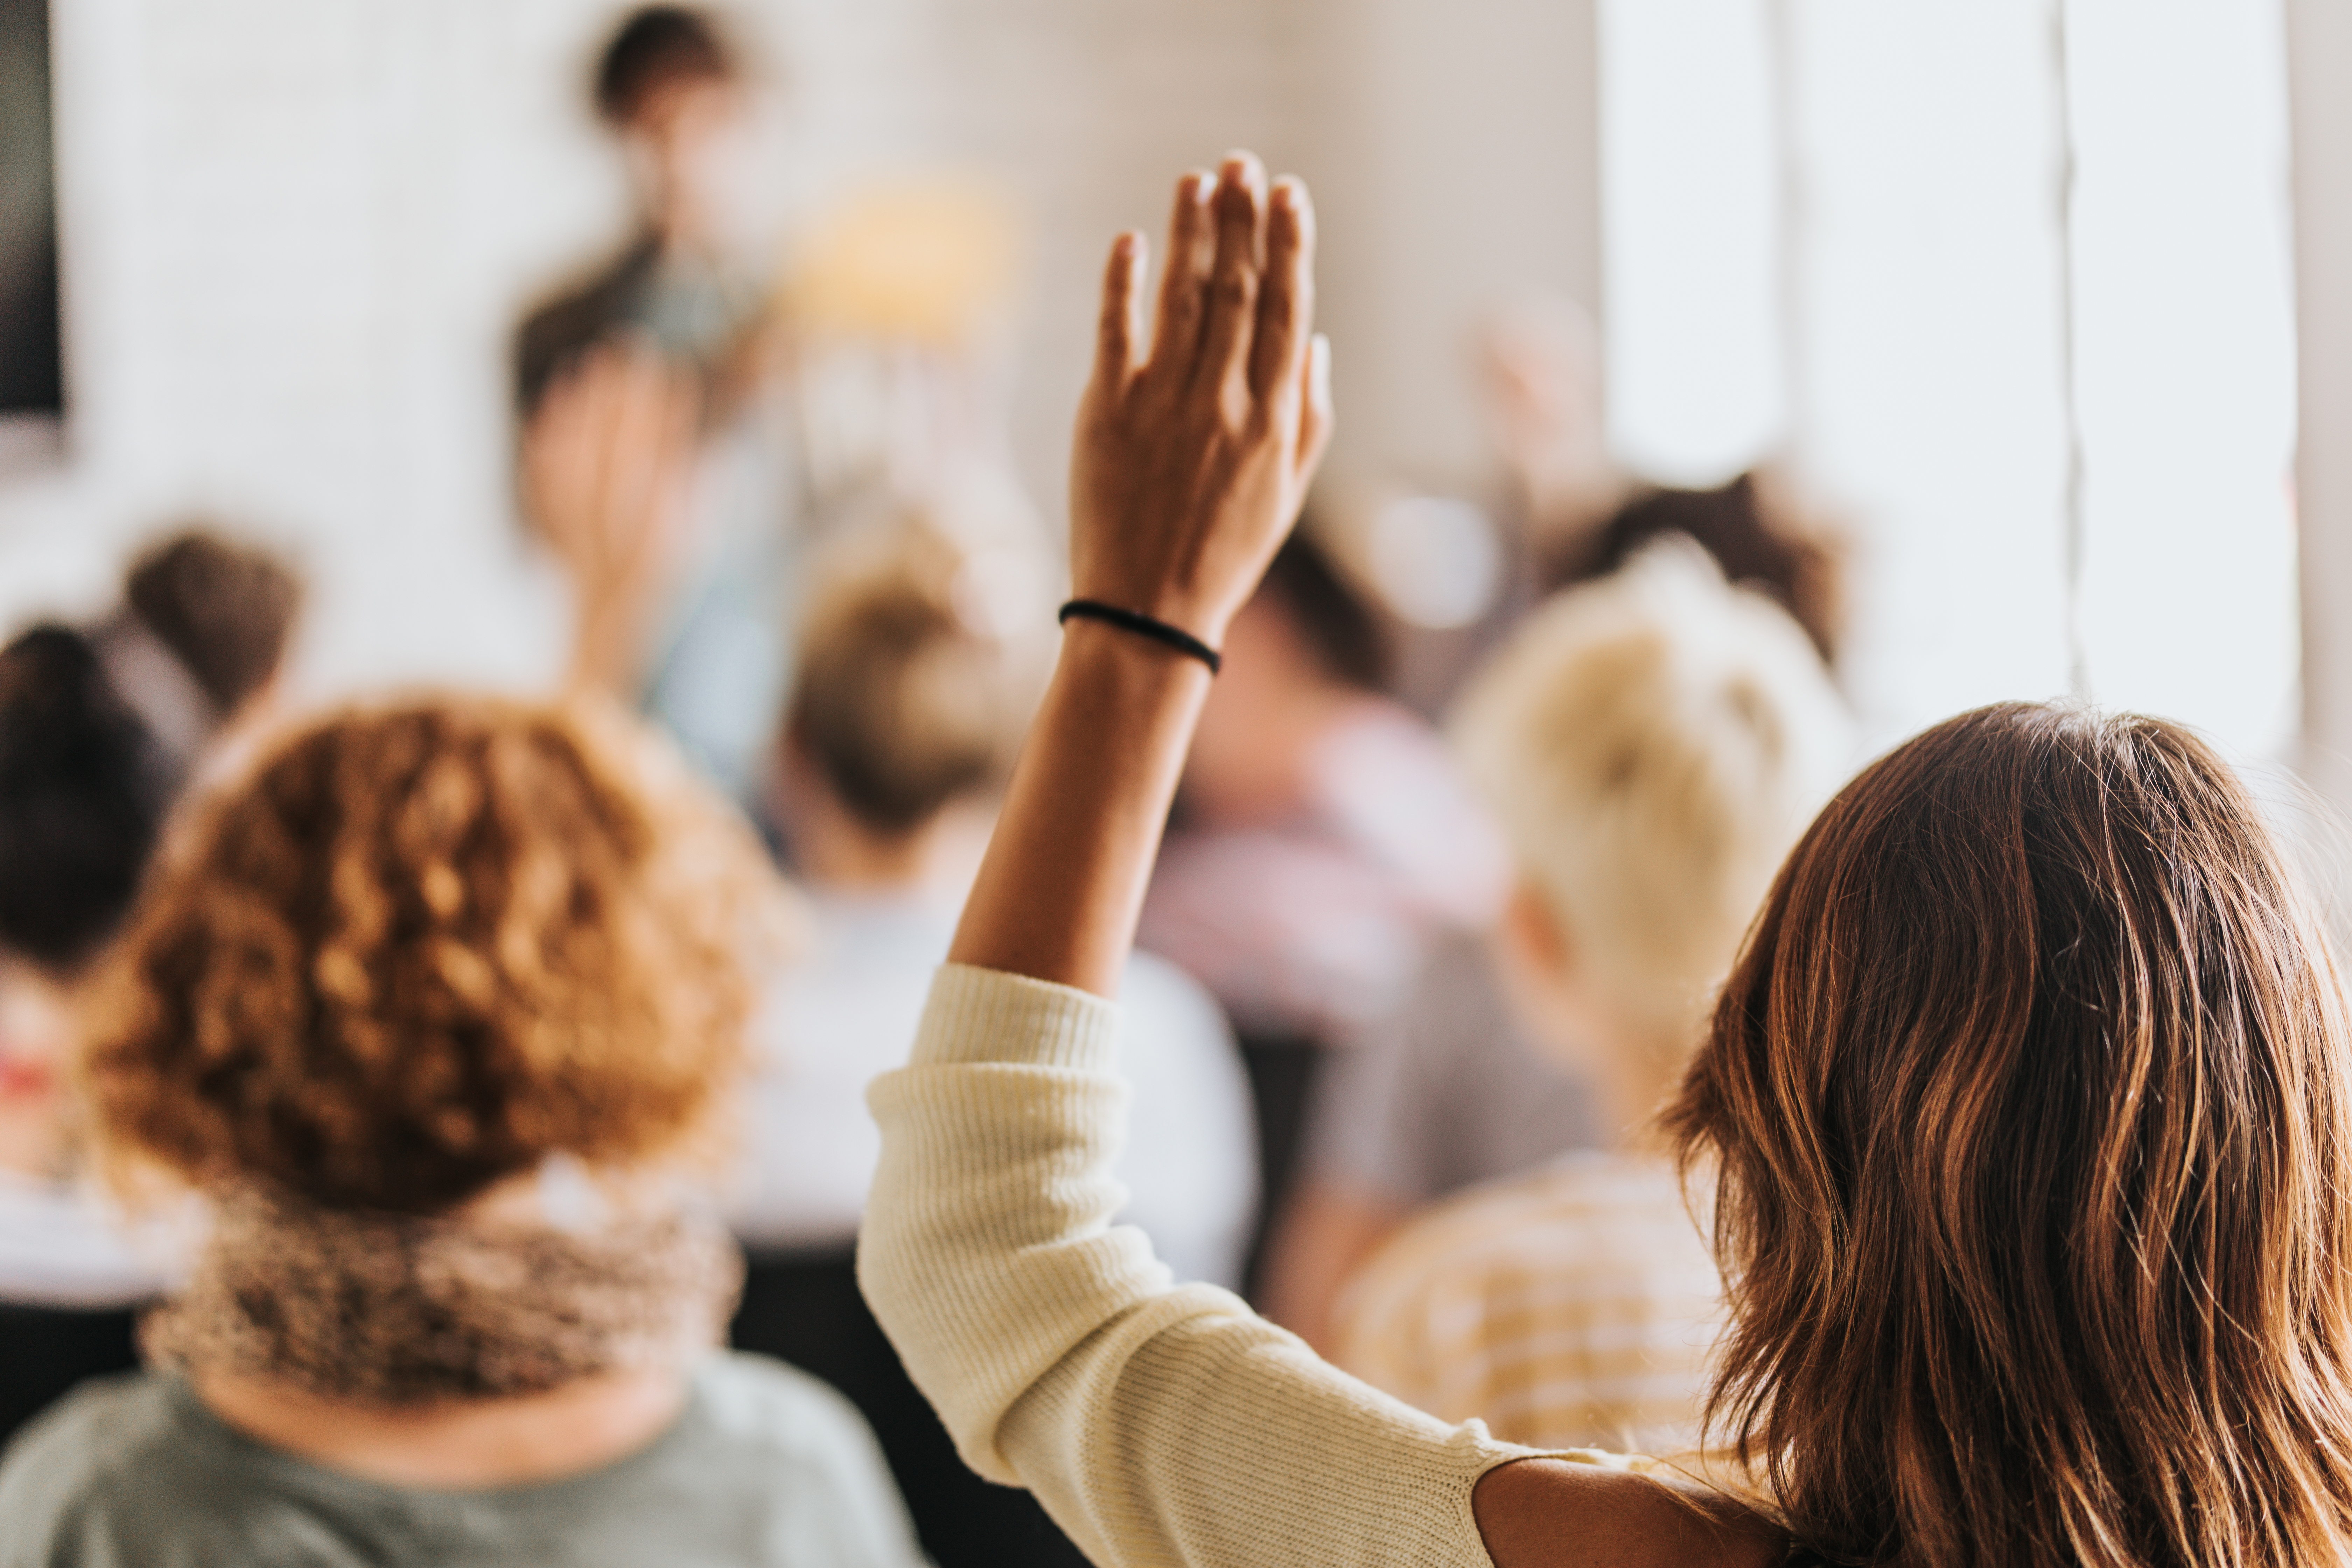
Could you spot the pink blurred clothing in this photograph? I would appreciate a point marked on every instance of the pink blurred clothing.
(1312, 924)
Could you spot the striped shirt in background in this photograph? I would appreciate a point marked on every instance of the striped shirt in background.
(1572, 1307)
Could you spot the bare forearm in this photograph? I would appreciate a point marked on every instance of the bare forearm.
(1059, 894)
(1189, 462)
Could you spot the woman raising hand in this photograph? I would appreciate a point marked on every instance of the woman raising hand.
(2026, 1112)
(1158, 1423)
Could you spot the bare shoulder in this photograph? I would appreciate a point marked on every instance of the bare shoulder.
(1556, 1513)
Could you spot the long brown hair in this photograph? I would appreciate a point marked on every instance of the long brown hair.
(2031, 1105)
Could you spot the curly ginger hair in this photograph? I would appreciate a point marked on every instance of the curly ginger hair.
(421, 947)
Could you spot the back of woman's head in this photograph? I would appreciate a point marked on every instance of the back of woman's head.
(422, 947)
(2032, 1108)
(83, 789)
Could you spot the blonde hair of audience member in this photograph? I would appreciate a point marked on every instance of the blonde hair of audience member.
(1651, 744)
(418, 951)
(906, 710)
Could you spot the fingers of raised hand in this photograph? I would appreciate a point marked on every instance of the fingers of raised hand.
(652, 414)
(655, 410)
(1240, 207)
(1192, 247)
(1286, 304)
(1315, 413)
(1119, 338)
(560, 455)
(605, 451)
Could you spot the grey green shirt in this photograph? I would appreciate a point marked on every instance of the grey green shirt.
(766, 1468)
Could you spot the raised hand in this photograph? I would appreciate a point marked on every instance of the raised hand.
(1195, 448)
(605, 466)
(1192, 457)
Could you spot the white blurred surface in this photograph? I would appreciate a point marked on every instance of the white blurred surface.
(1894, 320)
(299, 231)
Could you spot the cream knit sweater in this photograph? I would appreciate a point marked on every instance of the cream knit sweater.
(1159, 1423)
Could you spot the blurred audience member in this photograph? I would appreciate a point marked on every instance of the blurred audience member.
(435, 1009)
(1539, 358)
(1748, 526)
(1443, 1093)
(84, 785)
(1653, 745)
(903, 721)
(202, 633)
(1322, 843)
(1446, 1091)
(1572, 511)
(97, 732)
(1585, 516)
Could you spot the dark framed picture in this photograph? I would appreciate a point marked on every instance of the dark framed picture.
(32, 360)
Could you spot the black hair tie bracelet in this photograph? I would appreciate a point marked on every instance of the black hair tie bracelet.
(1177, 637)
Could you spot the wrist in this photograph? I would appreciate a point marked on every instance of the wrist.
(1175, 595)
(1139, 668)
(1167, 633)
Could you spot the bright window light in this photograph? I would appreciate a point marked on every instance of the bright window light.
(1896, 323)
(1689, 236)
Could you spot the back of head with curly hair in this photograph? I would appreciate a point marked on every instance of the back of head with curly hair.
(421, 948)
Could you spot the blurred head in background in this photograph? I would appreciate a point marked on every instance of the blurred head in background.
(226, 610)
(1586, 515)
(98, 731)
(201, 637)
(906, 710)
(670, 85)
(911, 688)
(83, 789)
(420, 948)
(84, 786)
(1759, 537)
(1651, 746)
(1304, 654)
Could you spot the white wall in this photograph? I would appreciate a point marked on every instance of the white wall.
(297, 232)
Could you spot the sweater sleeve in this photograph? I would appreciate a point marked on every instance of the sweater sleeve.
(1159, 1423)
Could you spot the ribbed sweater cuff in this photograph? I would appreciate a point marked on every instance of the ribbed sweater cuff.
(987, 1016)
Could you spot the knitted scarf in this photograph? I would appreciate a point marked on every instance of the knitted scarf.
(399, 1310)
